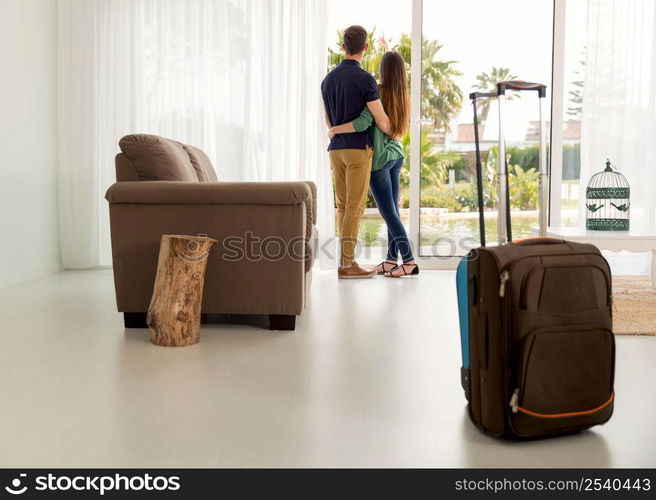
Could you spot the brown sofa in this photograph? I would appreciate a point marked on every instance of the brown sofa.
(262, 263)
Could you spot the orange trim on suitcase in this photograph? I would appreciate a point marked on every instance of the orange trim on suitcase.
(572, 414)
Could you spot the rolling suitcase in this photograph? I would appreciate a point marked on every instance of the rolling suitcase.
(538, 352)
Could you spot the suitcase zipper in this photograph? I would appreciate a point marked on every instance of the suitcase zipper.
(514, 406)
(514, 401)
(505, 328)
(569, 414)
(527, 276)
(505, 276)
(509, 267)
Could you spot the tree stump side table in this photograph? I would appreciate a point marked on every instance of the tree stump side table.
(174, 312)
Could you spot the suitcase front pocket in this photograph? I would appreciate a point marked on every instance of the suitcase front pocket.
(565, 289)
(566, 373)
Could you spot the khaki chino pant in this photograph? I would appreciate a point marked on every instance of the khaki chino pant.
(351, 171)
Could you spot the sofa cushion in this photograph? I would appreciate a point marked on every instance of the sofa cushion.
(157, 158)
(125, 169)
(201, 163)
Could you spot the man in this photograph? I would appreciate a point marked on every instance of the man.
(346, 90)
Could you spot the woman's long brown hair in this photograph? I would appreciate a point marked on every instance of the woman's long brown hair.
(394, 92)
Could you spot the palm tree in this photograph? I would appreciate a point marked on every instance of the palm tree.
(523, 187)
(575, 109)
(441, 97)
(487, 82)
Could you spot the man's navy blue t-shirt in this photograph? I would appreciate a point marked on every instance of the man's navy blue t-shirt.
(346, 91)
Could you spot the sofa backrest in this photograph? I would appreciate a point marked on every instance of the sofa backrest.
(146, 157)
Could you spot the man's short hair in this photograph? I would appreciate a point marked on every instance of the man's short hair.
(355, 38)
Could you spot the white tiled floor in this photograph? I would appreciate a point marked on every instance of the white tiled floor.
(369, 378)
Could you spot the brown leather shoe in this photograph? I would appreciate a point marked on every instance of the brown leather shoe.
(354, 272)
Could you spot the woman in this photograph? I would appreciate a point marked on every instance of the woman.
(387, 162)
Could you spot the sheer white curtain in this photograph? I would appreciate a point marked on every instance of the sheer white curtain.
(619, 104)
(238, 78)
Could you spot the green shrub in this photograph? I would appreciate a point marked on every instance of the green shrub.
(525, 157)
(523, 187)
(443, 200)
(460, 168)
(467, 197)
(522, 178)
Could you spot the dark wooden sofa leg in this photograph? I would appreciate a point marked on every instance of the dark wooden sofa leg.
(135, 320)
(282, 322)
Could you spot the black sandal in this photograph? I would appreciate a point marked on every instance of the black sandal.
(414, 272)
(384, 270)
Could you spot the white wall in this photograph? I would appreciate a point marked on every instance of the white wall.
(29, 241)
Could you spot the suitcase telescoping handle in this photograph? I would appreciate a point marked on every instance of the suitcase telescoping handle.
(505, 226)
(521, 85)
(539, 240)
(479, 170)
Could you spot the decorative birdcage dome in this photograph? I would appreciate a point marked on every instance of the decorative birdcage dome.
(608, 201)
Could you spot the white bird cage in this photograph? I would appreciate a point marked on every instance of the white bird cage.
(608, 201)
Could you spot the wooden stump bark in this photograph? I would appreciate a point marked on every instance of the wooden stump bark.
(174, 313)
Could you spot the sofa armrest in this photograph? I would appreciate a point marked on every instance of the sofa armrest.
(313, 201)
(227, 193)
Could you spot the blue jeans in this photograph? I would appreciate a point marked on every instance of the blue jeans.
(384, 185)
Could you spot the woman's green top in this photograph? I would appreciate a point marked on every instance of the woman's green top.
(385, 148)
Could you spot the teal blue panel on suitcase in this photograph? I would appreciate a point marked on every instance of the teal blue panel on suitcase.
(462, 288)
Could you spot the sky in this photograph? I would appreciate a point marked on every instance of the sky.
(479, 34)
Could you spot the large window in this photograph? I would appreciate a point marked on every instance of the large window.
(467, 46)
(600, 55)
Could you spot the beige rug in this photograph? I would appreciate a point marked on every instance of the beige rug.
(634, 305)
